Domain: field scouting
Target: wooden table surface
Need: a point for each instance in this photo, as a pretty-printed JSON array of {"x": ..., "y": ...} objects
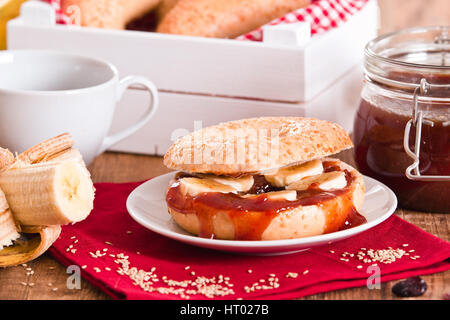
[{"x": 115, "y": 167}]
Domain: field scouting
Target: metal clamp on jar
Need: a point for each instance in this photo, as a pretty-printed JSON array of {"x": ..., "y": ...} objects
[{"x": 404, "y": 114}]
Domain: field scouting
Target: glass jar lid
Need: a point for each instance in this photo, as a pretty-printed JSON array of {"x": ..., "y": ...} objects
[{"x": 400, "y": 60}]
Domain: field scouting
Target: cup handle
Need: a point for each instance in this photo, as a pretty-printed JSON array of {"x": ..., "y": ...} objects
[{"x": 124, "y": 84}]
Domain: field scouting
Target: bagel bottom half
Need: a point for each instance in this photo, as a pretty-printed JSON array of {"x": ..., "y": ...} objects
[{"x": 299, "y": 221}]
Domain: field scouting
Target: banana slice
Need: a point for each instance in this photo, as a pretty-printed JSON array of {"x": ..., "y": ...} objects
[
  {"x": 326, "y": 181},
  {"x": 289, "y": 195},
  {"x": 48, "y": 193},
  {"x": 195, "y": 186},
  {"x": 287, "y": 175},
  {"x": 47, "y": 149},
  {"x": 241, "y": 184}
]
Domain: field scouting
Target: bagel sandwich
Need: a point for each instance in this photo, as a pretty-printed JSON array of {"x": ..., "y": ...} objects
[{"x": 267, "y": 178}]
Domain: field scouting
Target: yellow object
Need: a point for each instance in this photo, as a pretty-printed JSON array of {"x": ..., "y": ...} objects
[{"x": 9, "y": 9}]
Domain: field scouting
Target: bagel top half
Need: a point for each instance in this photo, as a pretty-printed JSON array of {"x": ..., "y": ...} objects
[{"x": 254, "y": 145}]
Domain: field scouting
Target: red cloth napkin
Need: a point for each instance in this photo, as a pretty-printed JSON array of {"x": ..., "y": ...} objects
[
  {"x": 323, "y": 15},
  {"x": 110, "y": 227}
]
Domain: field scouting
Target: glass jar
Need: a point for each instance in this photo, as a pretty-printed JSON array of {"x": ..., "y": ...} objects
[{"x": 402, "y": 127}]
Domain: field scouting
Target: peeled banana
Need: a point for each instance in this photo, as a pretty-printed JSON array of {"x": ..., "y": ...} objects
[
  {"x": 50, "y": 193},
  {"x": 44, "y": 187}
]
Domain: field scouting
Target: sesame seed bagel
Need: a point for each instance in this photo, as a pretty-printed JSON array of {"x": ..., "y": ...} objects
[
  {"x": 257, "y": 144},
  {"x": 108, "y": 14},
  {"x": 224, "y": 19},
  {"x": 329, "y": 214}
]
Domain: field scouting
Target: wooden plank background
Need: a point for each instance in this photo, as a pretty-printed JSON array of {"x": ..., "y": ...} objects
[{"x": 116, "y": 167}]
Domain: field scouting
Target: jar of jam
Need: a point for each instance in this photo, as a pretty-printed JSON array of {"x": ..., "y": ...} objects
[{"x": 402, "y": 127}]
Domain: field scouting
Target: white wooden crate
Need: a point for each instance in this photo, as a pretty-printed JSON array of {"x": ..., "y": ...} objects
[
  {"x": 208, "y": 66},
  {"x": 214, "y": 80},
  {"x": 182, "y": 113}
]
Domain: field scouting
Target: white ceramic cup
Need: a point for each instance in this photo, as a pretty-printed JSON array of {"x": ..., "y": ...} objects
[{"x": 45, "y": 93}]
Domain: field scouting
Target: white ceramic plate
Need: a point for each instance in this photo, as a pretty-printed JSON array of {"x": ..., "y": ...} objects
[{"x": 147, "y": 206}]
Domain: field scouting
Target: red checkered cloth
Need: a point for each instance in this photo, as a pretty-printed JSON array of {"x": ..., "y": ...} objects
[
  {"x": 61, "y": 18},
  {"x": 323, "y": 15}
]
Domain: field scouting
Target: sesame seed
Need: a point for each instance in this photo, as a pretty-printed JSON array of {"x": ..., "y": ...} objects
[
  {"x": 187, "y": 268},
  {"x": 249, "y": 270},
  {"x": 292, "y": 275},
  {"x": 359, "y": 267},
  {"x": 55, "y": 289},
  {"x": 305, "y": 272},
  {"x": 84, "y": 267}
]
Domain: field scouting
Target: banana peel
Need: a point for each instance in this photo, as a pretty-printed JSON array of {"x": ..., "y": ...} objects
[
  {"x": 23, "y": 240},
  {"x": 33, "y": 242}
]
